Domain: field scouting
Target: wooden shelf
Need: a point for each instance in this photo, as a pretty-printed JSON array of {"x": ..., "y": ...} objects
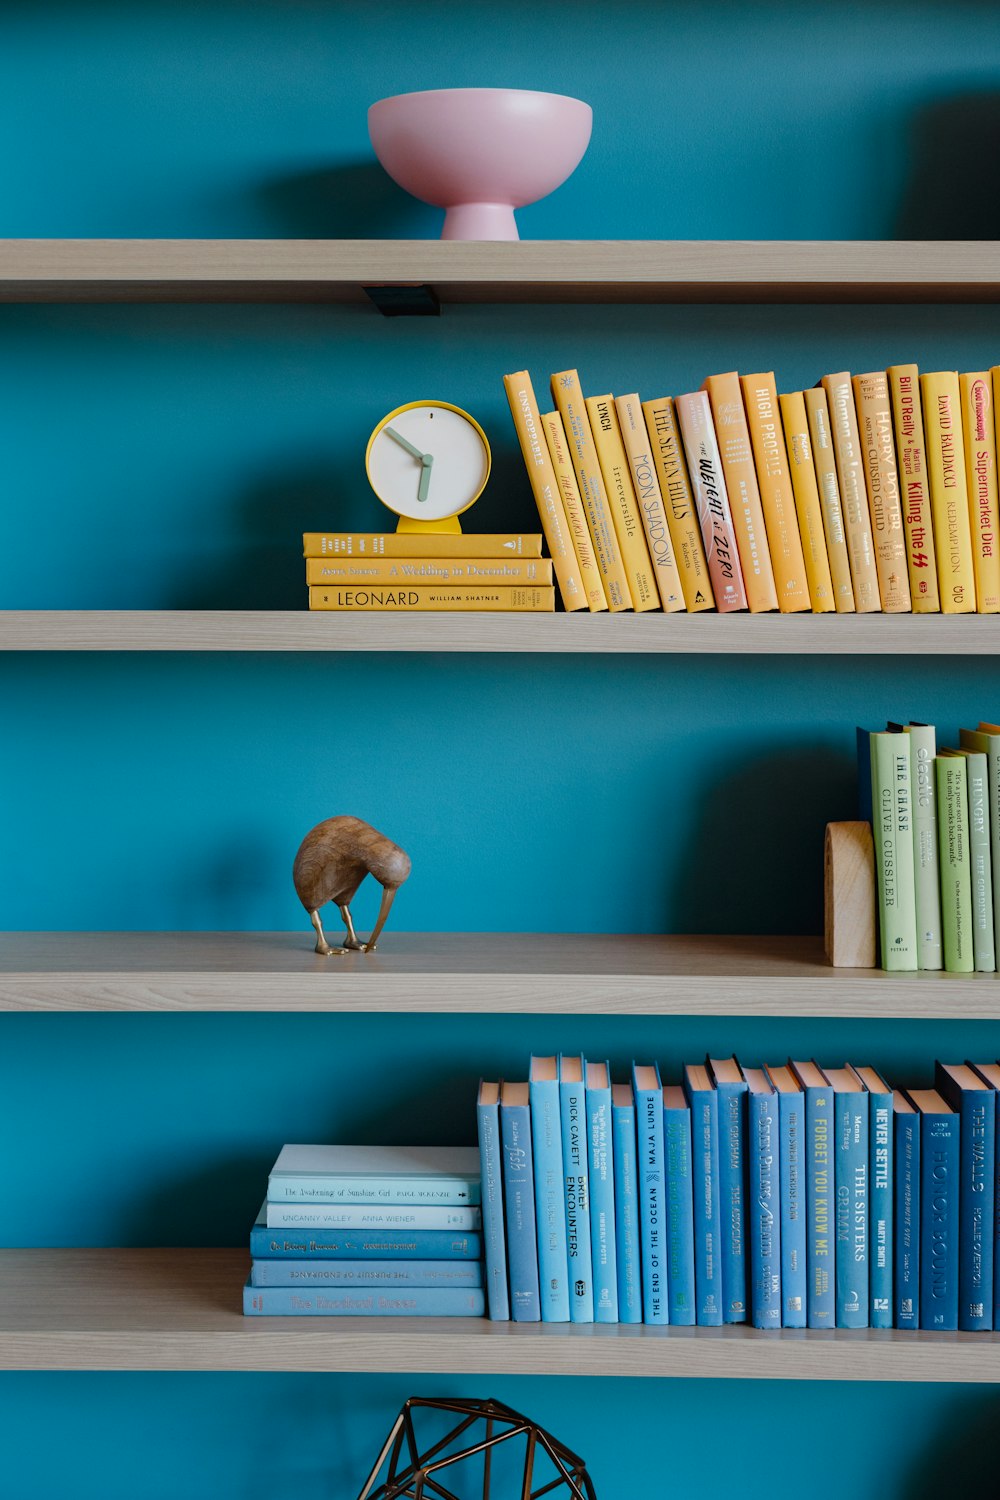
[
  {"x": 649, "y": 634},
  {"x": 181, "y": 1310},
  {"x": 526, "y": 271},
  {"x": 470, "y": 973}
]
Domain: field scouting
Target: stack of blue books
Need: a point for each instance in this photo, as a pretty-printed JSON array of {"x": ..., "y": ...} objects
[{"x": 369, "y": 1231}]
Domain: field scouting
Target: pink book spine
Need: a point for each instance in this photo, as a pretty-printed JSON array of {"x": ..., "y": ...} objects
[{"x": 714, "y": 515}]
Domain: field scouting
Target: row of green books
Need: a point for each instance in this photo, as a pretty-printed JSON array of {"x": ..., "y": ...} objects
[
  {"x": 872, "y": 492},
  {"x": 788, "y": 1196}
]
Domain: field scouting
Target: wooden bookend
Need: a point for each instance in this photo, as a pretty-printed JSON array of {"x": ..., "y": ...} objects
[{"x": 849, "y": 896}]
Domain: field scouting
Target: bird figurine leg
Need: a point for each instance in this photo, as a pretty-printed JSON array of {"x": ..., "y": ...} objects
[
  {"x": 388, "y": 896},
  {"x": 353, "y": 941},
  {"x": 322, "y": 946}
]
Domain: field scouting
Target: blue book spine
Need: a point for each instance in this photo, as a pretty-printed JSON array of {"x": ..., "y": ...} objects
[
  {"x": 821, "y": 1309},
  {"x": 628, "y": 1252},
  {"x": 764, "y": 1223},
  {"x": 358, "y": 1244},
  {"x": 732, "y": 1199},
  {"x": 491, "y": 1166},
  {"x": 652, "y": 1203},
  {"x": 283, "y": 1187},
  {"x": 996, "y": 1218},
  {"x": 707, "y": 1212},
  {"x": 851, "y": 1179},
  {"x": 519, "y": 1197},
  {"x": 880, "y": 1251},
  {"x": 907, "y": 1220},
  {"x": 604, "y": 1254},
  {"x": 367, "y": 1302},
  {"x": 977, "y": 1165},
  {"x": 573, "y": 1119},
  {"x": 680, "y": 1216},
  {"x": 939, "y": 1175},
  {"x": 550, "y": 1207},
  {"x": 378, "y": 1273},
  {"x": 791, "y": 1152}
]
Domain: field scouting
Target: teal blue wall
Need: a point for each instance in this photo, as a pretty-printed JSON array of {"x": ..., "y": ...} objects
[{"x": 170, "y": 456}]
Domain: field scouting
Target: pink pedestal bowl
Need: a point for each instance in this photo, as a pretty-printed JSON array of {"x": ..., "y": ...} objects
[{"x": 480, "y": 153}]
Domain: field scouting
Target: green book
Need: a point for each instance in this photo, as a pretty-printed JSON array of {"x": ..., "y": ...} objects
[
  {"x": 892, "y": 828},
  {"x": 953, "y": 848},
  {"x": 980, "y": 865},
  {"x": 926, "y": 873},
  {"x": 987, "y": 739}
]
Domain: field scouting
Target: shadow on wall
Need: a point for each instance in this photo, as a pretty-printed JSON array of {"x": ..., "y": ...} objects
[
  {"x": 357, "y": 200},
  {"x": 951, "y": 195},
  {"x": 963, "y": 1454}
]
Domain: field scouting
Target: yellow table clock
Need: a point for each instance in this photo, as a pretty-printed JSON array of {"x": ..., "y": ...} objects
[{"x": 428, "y": 462}]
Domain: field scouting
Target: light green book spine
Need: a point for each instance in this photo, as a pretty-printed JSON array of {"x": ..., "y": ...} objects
[
  {"x": 980, "y": 864},
  {"x": 989, "y": 743},
  {"x": 953, "y": 849},
  {"x": 892, "y": 826},
  {"x": 926, "y": 870}
]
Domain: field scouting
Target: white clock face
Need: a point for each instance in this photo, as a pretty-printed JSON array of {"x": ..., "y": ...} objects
[{"x": 427, "y": 462}]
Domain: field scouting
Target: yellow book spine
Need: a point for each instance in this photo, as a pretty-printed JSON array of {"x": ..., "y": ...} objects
[
  {"x": 807, "y": 506},
  {"x": 428, "y": 570},
  {"x": 624, "y": 506},
  {"x": 568, "y": 397},
  {"x": 825, "y": 464},
  {"x": 590, "y": 573},
  {"x": 853, "y": 495},
  {"x": 878, "y": 454},
  {"x": 682, "y": 517},
  {"x": 650, "y": 501},
  {"x": 413, "y": 544},
  {"x": 981, "y": 482},
  {"x": 406, "y": 600},
  {"x": 735, "y": 450},
  {"x": 760, "y": 396},
  {"x": 942, "y": 403},
  {"x": 527, "y": 423},
  {"x": 914, "y": 494}
]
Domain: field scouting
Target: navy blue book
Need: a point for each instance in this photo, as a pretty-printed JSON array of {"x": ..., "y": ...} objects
[
  {"x": 939, "y": 1169},
  {"x": 906, "y": 1229},
  {"x": 704, "y": 1103},
  {"x": 491, "y": 1170},
  {"x": 850, "y": 1176},
  {"x": 731, "y": 1088},
  {"x": 628, "y": 1242},
  {"x": 360, "y": 1244},
  {"x": 680, "y": 1206},
  {"x": 550, "y": 1207},
  {"x": 821, "y": 1309},
  {"x": 972, "y": 1099},
  {"x": 763, "y": 1198},
  {"x": 791, "y": 1150},
  {"x": 880, "y": 1195},
  {"x": 648, "y": 1093},
  {"x": 603, "y": 1249},
  {"x": 576, "y": 1195},
  {"x": 519, "y": 1200},
  {"x": 990, "y": 1073}
]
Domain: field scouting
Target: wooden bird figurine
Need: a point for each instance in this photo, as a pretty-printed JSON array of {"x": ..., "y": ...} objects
[{"x": 333, "y": 860}]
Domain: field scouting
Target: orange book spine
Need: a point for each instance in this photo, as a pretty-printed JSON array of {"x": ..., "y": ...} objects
[
  {"x": 427, "y": 570},
  {"x": 825, "y": 464},
  {"x": 914, "y": 494},
  {"x": 527, "y": 424},
  {"x": 650, "y": 502},
  {"x": 682, "y": 516},
  {"x": 760, "y": 395},
  {"x": 878, "y": 453},
  {"x": 853, "y": 495},
  {"x": 386, "y": 599},
  {"x": 708, "y": 483},
  {"x": 981, "y": 482},
  {"x": 590, "y": 573},
  {"x": 807, "y": 505},
  {"x": 568, "y": 397},
  {"x": 733, "y": 437},
  {"x": 624, "y": 506}
]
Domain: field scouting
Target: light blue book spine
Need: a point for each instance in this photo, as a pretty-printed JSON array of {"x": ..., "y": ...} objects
[
  {"x": 628, "y": 1249},
  {"x": 358, "y": 1244},
  {"x": 414, "y": 1302},
  {"x": 792, "y": 1145},
  {"x": 764, "y": 1224},
  {"x": 519, "y": 1198},
  {"x": 445, "y": 1190},
  {"x": 573, "y": 1118},
  {"x": 491, "y": 1166},
  {"x": 851, "y": 1178},
  {"x": 821, "y": 1310},
  {"x": 881, "y": 1183},
  {"x": 652, "y": 1201},
  {"x": 680, "y": 1216},
  {"x": 707, "y": 1212},
  {"x": 906, "y": 1294},
  {"x": 604, "y": 1256},
  {"x": 939, "y": 1171},
  {"x": 550, "y": 1208},
  {"x": 374, "y": 1273},
  {"x": 732, "y": 1198}
]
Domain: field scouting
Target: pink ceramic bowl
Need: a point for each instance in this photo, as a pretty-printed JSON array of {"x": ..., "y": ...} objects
[{"x": 479, "y": 153}]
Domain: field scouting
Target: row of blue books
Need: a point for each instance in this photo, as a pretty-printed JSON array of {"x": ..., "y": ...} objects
[
  {"x": 369, "y": 1231},
  {"x": 788, "y": 1196}
]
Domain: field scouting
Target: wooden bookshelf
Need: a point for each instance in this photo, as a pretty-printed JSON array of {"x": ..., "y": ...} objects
[
  {"x": 648, "y": 634},
  {"x": 181, "y": 1310},
  {"x": 471, "y": 973},
  {"x": 176, "y": 270}
]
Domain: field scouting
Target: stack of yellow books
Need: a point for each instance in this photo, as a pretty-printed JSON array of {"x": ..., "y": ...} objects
[{"x": 406, "y": 572}]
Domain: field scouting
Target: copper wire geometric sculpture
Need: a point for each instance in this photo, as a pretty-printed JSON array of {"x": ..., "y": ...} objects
[{"x": 416, "y": 1475}]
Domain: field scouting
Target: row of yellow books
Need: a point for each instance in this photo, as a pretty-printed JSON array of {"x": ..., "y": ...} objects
[
  {"x": 397, "y": 572},
  {"x": 866, "y": 493}
]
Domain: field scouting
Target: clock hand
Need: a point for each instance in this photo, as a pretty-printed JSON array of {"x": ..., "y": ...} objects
[
  {"x": 403, "y": 442},
  {"x": 425, "y": 477}
]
